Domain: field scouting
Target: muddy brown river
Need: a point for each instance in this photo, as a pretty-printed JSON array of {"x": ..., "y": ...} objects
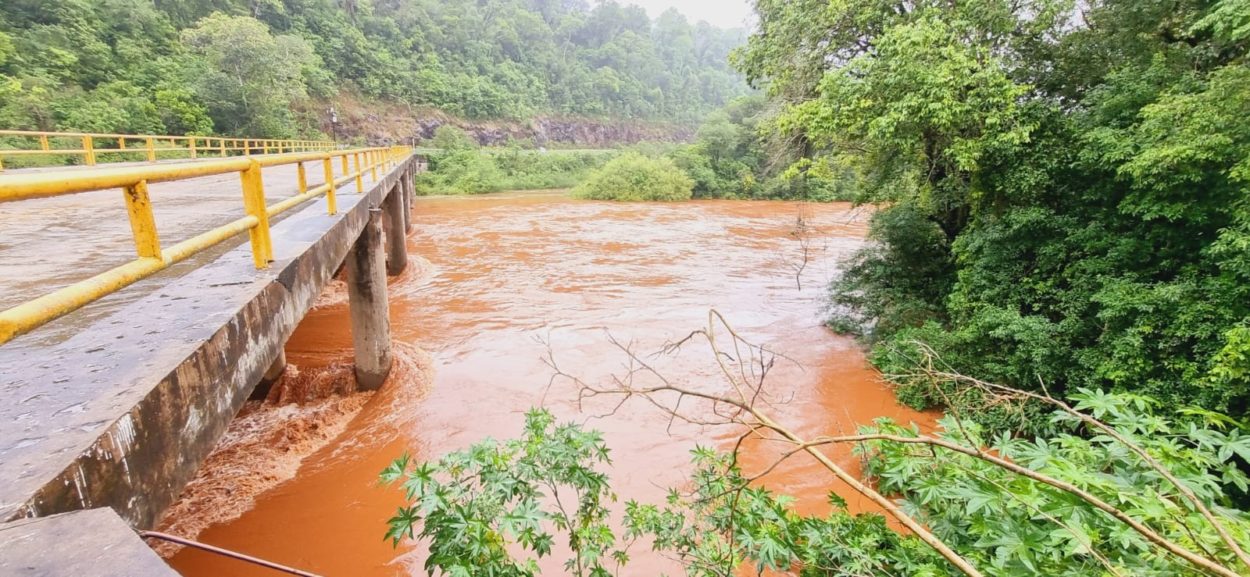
[{"x": 502, "y": 278}]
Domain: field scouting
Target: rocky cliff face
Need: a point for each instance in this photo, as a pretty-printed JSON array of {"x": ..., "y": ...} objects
[
  {"x": 379, "y": 124},
  {"x": 561, "y": 131}
]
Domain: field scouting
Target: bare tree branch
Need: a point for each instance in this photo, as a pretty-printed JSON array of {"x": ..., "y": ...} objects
[
  {"x": 926, "y": 369},
  {"x": 741, "y": 408}
]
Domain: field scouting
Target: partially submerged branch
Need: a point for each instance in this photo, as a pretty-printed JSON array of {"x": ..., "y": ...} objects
[
  {"x": 927, "y": 370},
  {"x": 745, "y": 366},
  {"x": 741, "y": 410}
]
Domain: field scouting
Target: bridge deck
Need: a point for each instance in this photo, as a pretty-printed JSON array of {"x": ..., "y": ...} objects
[
  {"x": 49, "y": 243},
  {"x": 120, "y": 404}
]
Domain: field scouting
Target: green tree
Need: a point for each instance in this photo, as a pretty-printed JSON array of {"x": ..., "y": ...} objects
[
  {"x": 1060, "y": 190},
  {"x": 451, "y": 138},
  {"x": 634, "y": 177},
  {"x": 499, "y": 59},
  {"x": 252, "y": 78}
]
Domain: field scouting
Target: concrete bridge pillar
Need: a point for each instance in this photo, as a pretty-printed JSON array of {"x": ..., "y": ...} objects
[
  {"x": 275, "y": 372},
  {"x": 410, "y": 193},
  {"x": 367, "y": 301},
  {"x": 396, "y": 231}
]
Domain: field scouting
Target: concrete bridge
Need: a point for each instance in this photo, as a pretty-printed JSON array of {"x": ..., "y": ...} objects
[{"x": 106, "y": 412}]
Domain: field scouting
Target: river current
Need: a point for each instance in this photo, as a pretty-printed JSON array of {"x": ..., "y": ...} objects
[{"x": 497, "y": 283}]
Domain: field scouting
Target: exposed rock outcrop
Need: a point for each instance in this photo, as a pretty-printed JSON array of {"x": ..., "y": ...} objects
[{"x": 379, "y": 123}]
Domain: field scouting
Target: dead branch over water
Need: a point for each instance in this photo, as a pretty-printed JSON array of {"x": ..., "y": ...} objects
[
  {"x": 744, "y": 367},
  {"x": 803, "y": 234}
]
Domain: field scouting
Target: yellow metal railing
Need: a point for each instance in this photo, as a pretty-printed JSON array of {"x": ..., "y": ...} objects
[
  {"x": 95, "y": 148},
  {"x": 151, "y": 257}
]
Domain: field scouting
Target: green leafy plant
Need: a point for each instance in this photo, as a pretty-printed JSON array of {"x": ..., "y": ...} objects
[
  {"x": 634, "y": 177},
  {"x": 468, "y": 170},
  {"x": 471, "y": 506},
  {"x": 1109, "y": 488},
  {"x": 724, "y": 523},
  {"x": 1010, "y": 524}
]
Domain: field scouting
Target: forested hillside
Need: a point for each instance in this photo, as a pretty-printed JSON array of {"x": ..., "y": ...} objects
[{"x": 265, "y": 67}]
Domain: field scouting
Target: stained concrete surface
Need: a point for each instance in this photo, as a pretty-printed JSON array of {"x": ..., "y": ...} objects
[
  {"x": 94, "y": 543},
  {"x": 121, "y": 412}
]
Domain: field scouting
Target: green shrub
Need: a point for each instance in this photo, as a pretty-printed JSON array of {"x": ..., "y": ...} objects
[
  {"x": 460, "y": 172},
  {"x": 449, "y": 138},
  {"x": 1009, "y": 506},
  {"x": 634, "y": 177},
  {"x": 468, "y": 171},
  {"x": 535, "y": 170}
]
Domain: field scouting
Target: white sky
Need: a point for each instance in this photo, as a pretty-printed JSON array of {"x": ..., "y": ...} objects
[{"x": 720, "y": 13}]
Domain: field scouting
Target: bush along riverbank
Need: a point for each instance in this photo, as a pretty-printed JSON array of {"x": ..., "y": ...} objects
[
  {"x": 635, "y": 177},
  {"x": 462, "y": 167}
]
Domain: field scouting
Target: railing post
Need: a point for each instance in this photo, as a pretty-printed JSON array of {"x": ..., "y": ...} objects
[
  {"x": 222, "y": 144},
  {"x": 373, "y": 164},
  {"x": 192, "y": 147},
  {"x": 88, "y": 149},
  {"x": 360, "y": 184},
  {"x": 43, "y": 142},
  {"x": 331, "y": 203},
  {"x": 302, "y": 177},
  {"x": 142, "y": 222},
  {"x": 254, "y": 204},
  {"x": 151, "y": 144}
]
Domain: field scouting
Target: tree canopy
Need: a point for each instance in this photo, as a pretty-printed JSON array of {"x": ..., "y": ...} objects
[{"x": 1062, "y": 184}]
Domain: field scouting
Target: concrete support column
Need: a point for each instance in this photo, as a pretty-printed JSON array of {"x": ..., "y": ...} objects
[
  {"x": 396, "y": 233},
  {"x": 275, "y": 372},
  {"x": 410, "y": 193},
  {"x": 370, "y": 311}
]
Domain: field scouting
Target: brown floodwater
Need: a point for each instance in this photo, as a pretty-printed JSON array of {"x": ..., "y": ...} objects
[{"x": 497, "y": 282}]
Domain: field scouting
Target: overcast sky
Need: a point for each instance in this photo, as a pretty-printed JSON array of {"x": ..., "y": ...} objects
[{"x": 721, "y": 13}]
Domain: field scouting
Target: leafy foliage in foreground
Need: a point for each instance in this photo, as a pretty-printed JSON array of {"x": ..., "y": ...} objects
[
  {"x": 1013, "y": 526},
  {"x": 471, "y": 506},
  {"x": 724, "y": 523},
  {"x": 635, "y": 177}
]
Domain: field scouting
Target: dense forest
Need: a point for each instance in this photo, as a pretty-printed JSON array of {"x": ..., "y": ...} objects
[
  {"x": 265, "y": 68},
  {"x": 1064, "y": 191}
]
